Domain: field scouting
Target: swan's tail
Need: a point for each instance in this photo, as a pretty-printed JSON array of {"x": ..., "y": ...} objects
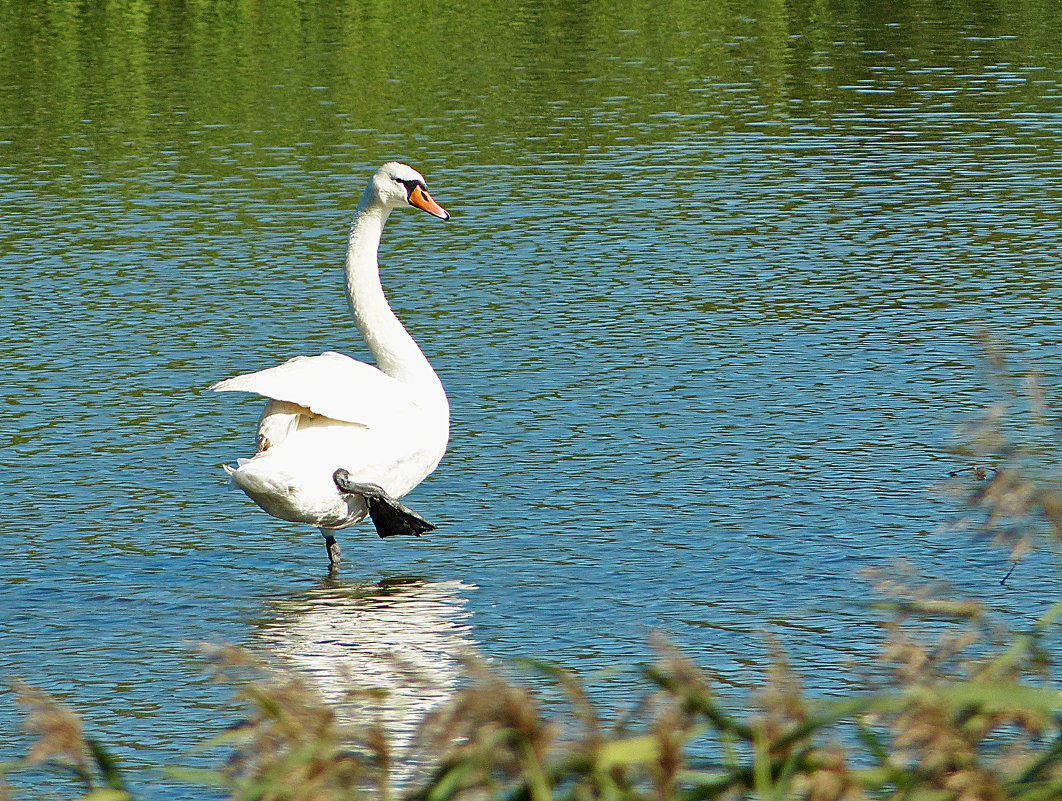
[{"x": 231, "y": 471}]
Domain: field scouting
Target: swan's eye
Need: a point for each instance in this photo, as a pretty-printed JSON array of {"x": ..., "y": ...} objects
[{"x": 410, "y": 185}]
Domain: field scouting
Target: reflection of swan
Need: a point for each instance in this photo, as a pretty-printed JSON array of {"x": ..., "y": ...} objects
[
  {"x": 405, "y": 636},
  {"x": 340, "y": 439}
]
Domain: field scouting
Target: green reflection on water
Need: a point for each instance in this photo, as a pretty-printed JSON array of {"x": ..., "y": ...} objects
[{"x": 94, "y": 86}]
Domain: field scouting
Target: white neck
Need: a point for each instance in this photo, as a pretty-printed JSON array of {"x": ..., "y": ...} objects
[{"x": 393, "y": 348}]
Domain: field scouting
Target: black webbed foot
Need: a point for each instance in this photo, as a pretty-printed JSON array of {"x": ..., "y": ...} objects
[{"x": 390, "y": 517}]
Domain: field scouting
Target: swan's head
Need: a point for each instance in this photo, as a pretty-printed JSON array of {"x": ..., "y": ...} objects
[{"x": 395, "y": 185}]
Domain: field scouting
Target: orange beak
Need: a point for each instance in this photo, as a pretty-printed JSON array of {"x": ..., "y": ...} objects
[{"x": 422, "y": 200}]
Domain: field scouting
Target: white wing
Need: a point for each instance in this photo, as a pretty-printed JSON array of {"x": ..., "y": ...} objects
[{"x": 331, "y": 385}]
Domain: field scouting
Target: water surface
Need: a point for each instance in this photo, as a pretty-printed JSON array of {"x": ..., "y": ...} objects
[{"x": 707, "y": 311}]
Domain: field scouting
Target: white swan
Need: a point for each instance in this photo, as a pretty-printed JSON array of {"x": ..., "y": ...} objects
[{"x": 340, "y": 439}]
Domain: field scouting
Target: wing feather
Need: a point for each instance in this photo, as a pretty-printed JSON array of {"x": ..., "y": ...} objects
[{"x": 331, "y": 385}]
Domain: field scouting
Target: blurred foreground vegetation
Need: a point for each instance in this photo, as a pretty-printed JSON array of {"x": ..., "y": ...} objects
[{"x": 958, "y": 706}]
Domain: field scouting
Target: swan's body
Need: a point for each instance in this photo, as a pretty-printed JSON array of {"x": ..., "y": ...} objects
[{"x": 386, "y": 426}]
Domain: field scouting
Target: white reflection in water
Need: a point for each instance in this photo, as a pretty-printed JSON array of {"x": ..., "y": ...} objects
[{"x": 405, "y": 636}]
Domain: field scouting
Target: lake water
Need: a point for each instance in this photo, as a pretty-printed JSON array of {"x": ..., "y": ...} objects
[{"x": 707, "y": 312}]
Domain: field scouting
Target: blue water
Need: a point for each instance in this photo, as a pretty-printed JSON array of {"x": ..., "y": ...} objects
[{"x": 705, "y": 338}]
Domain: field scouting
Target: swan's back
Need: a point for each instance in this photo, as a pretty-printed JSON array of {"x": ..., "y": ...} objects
[{"x": 335, "y": 386}]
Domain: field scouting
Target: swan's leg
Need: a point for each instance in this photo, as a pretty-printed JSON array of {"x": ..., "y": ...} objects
[
  {"x": 331, "y": 546},
  {"x": 388, "y": 515}
]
